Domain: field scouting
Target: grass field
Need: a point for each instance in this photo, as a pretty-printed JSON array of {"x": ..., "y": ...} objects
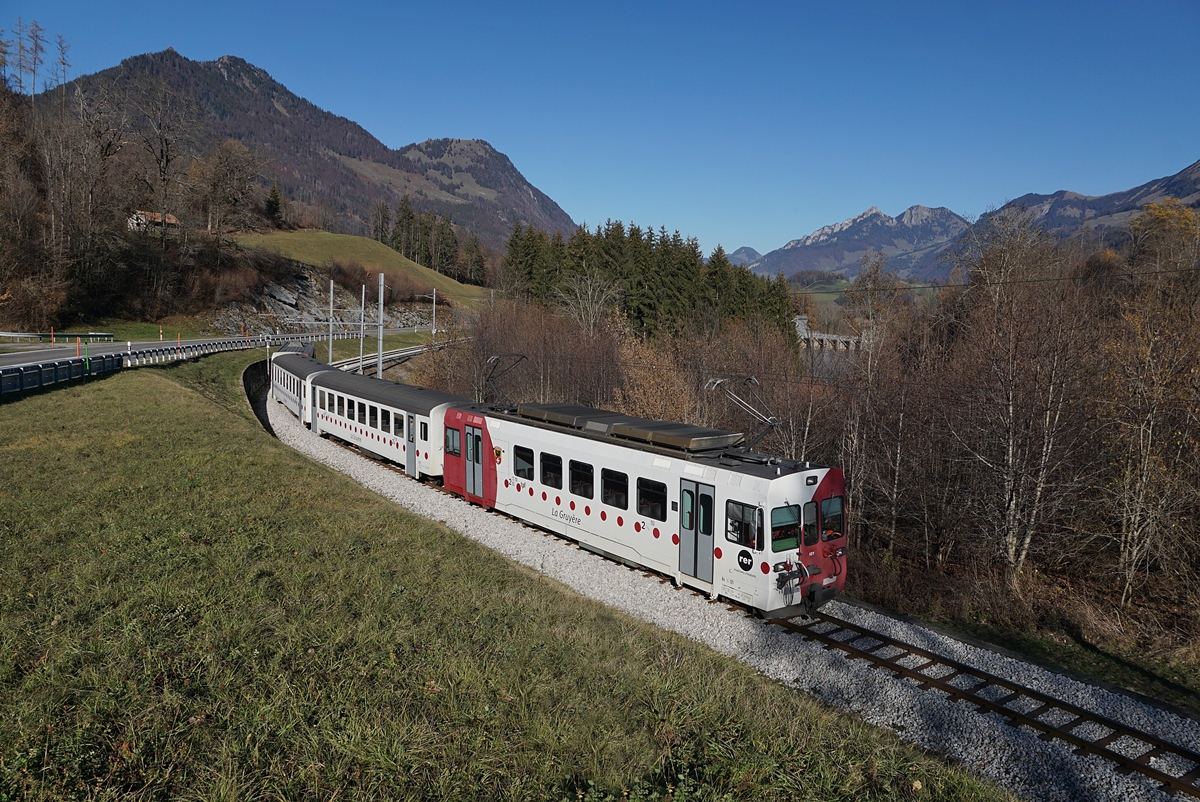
[
  {"x": 189, "y": 609},
  {"x": 321, "y": 248}
]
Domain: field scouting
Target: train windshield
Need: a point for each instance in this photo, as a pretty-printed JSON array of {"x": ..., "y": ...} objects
[
  {"x": 833, "y": 518},
  {"x": 785, "y": 527}
]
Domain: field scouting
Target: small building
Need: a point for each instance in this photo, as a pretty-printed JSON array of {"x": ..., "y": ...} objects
[{"x": 141, "y": 221}]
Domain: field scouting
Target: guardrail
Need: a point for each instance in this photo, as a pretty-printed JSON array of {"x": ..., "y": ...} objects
[
  {"x": 31, "y": 376},
  {"x": 393, "y": 356},
  {"x": 65, "y": 336}
]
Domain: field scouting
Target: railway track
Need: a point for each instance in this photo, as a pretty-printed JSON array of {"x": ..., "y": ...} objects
[{"x": 1175, "y": 768}]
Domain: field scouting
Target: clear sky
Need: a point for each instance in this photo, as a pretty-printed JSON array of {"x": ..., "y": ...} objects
[{"x": 736, "y": 123}]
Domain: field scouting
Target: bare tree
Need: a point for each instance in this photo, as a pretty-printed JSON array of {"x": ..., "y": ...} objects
[{"x": 588, "y": 297}]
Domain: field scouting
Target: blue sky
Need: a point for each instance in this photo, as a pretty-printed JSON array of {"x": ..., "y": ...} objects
[{"x": 736, "y": 125}]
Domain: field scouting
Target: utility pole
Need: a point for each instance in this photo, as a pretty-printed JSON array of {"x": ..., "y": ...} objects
[
  {"x": 434, "y": 312},
  {"x": 331, "y": 321},
  {"x": 362, "y": 326},
  {"x": 379, "y": 359}
]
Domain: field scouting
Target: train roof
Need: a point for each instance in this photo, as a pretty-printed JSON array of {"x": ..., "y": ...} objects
[
  {"x": 300, "y": 365},
  {"x": 682, "y": 436},
  {"x": 307, "y": 349},
  {"x": 714, "y": 447},
  {"x": 401, "y": 396}
]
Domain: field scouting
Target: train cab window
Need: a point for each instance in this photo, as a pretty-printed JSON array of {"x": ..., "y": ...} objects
[
  {"x": 523, "y": 462},
  {"x": 743, "y": 523},
  {"x": 833, "y": 518},
  {"x": 341, "y": 407},
  {"x": 453, "y": 442},
  {"x": 385, "y": 421},
  {"x": 810, "y": 523},
  {"x": 552, "y": 471},
  {"x": 614, "y": 488},
  {"x": 652, "y": 499},
  {"x": 785, "y": 528},
  {"x": 374, "y": 419},
  {"x": 424, "y": 432},
  {"x": 582, "y": 478}
]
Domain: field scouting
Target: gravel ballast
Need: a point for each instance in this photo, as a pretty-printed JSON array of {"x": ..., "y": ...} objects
[{"x": 1013, "y": 757}]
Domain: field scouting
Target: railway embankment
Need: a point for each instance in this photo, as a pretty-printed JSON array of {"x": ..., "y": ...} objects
[{"x": 190, "y": 608}]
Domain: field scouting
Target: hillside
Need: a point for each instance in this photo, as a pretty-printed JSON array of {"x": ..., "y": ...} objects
[
  {"x": 914, "y": 242},
  {"x": 1068, "y": 212},
  {"x": 320, "y": 248},
  {"x": 327, "y": 160}
]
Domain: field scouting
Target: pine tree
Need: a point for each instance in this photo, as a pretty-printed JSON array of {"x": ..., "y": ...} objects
[{"x": 274, "y": 206}]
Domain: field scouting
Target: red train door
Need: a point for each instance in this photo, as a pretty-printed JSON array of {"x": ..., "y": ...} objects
[{"x": 473, "y": 465}]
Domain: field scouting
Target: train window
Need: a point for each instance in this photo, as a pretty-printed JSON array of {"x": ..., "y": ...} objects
[
  {"x": 741, "y": 523},
  {"x": 688, "y": 512},
  {"x": 652, "y": 499},
  {"x": 614, "y": 488},
  {"x": 453, "y": 442},
  {"x": 704, "y": 516},
  {"x": 374, "y": 424},
  {"x": 362, "y": 413},
  {"x": 785, "y": 528},
  {"x": 385, "y": 421},
  {"x": 321, "y": 399},
  {"x": 399, "y": 424},
  {"x": 523, "y": 462},
  {"x": 810, "y": 523},
  {"x": 424, "y": 432},
  {"x": 341, "y": 407},
  {"x": 833, "y": 519},
  {"x": 582, "y": 476},
  {"x": 552, "y": 471}
]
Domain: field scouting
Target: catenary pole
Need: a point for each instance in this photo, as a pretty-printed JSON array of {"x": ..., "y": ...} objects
[
  {"x": 331, "y": 321},
  {"x": 379, "y": 358},
  {"x": 362, "y": 326}
]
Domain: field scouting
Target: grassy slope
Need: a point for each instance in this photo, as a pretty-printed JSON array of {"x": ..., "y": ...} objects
[
  {"x": 321, "y": 248},
  {"x": 191, "y": 609}
]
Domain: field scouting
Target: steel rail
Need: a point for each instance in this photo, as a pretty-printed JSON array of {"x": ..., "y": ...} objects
[{"x": 978, "y": 681}]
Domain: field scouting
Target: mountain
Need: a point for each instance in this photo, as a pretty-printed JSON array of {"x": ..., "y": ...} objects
[
  {"x": 1067, "y": 212},
  {"x": 327, "y": 160},
  {"x": 744, "y": 256},
  {"x": 913, "y": 242}
]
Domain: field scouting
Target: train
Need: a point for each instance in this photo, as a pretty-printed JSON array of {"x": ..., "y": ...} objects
[{"x": 688, "y": 502}]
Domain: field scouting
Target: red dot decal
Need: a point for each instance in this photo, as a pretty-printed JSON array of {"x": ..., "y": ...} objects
[
  {"x": 587, "y": 510},
  {"x": 656, "y": 531},
  {"x": 717, "y": 552},
  {"x": 766, "y": 569},
  {"x": 531, "y": 491},
  {"x": 637, "y": 527},
  {"x": 558, "y": 501},
  {"x": 572, "y": 505},
  {"x": 543, "y": 495},
  {"x": 603, "y": 515},
  {"x": 506, "y": 483},
  {"x": 675, "y": 539},
  {"x": 620, "y": 521},
  {"x": 518, "y": 487},
  {"x": 426, "y": 455}
]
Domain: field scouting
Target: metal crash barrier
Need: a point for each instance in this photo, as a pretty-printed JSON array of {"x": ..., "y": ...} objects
[{"x": 17, "y": 379}]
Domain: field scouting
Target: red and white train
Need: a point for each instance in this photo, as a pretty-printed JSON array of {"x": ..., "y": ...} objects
[{"x": 677, "y": 499}]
